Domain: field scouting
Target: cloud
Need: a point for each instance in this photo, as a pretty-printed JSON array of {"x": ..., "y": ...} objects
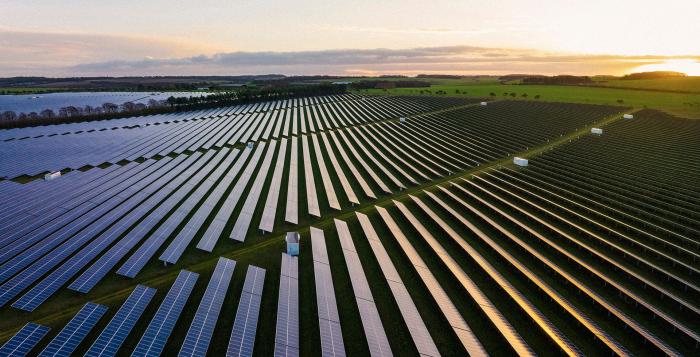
[
  {"x": 27, "y": 53},
  {"x": 453, "y": 59},
  {"x": 30, "y": 52}
]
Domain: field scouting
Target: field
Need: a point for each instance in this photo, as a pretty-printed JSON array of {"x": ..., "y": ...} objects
[
  {"x": 677, "y": 84},
  {"x": 681, "y": 104},
  {"x": 418, "y": 234}
]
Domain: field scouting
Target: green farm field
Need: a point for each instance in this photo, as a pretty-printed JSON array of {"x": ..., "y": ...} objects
[
  {"x": 676, "y": 84},
  {"x": 681, "y": 104}
]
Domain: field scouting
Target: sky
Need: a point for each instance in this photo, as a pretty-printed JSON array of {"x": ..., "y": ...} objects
[{"x": 232, "y": 37}]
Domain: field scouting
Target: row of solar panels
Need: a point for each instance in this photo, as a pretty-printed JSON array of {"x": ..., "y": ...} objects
[
  {"x": 31, "y": 157},
  {"x": 156, "y": 335},
  {"x": 141, "y": 121}
]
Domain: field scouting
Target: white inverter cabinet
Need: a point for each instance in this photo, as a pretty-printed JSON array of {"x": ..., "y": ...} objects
[
  {"x": 52, "y": 175},
  {"x": 520, "y": 161},
  {"x": 597, "y": 131}
]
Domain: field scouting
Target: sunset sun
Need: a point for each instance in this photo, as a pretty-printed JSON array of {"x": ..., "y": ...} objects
[{"x": 688, "y": 66}]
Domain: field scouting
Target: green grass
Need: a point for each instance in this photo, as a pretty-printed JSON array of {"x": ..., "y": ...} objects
[
  {"x": 678, "y": 84},
  {"x": 681, "y": 104},
  {"x": 20, "y": 90}
]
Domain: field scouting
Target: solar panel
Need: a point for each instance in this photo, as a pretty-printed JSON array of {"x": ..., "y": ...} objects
[
  {"x": 449, "y": 310},
  {"x": 311, "y": 197},
  {"x": 416, "y": 327},
  {"x": 245, "y": 326},
  {"x": 75, "y": 331},
  {"x": 24, "y": 340},
  {"x": 287, "y": 334},
  {"x": 498, "y": 319},
  {"x": 347, "y": 187},
  {"x": 325, "y": 176},
  {"x": 328, "y": 318},
  {"x": 362, "y": 161},
  {"x": 292, "y": 207},
  {"x": 158, "y": 331},
  {"x": 139, "y": 258},
  {"x": 118, "y": 329},
  {"x": 371, "y": 323},
  {"x": 211, "y": 235},
  {"x": 49, "y": 285},
  {"x": 202, "y": 328},
  {"x": 267, "y": 221},
  {"x": 240, "y": 228}
]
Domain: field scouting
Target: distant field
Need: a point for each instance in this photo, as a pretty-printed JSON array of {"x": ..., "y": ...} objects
[
  {"x": 683, "y": 84},
  {"x": 682, "y": 104},
  {"x": 12, "y": 90}
]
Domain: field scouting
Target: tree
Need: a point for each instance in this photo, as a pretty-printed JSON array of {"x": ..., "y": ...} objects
[
  {"x": 128, "y": 107},
  {"x": 110, "y": 107},
  {"x": 88, "y": 110},
  {"x": 537, "y": 96},
  {"x": 620, "y": 101},
  {"x": 47, "y": 114},
  {"x": 9, "y": 115},
  {"x": 524, "y": 95},
  {"x": 152, "y": 103},
  {"x": 69, "y": 111},
  {"x": 513, "y": 94},
  {"x": 492, "y": 94}
]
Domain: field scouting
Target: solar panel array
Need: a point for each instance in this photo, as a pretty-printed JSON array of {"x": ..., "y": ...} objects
[
  {"x": 74, "y": 230},
  {"x": 55, "y": 147},
  {"x": 202, "y": 328},
  {"x": 416, "y": 327},
  {"x": 24, "y": 340},
  {"x": 287, "y": 333},
  {"x": 465, "y": 334},
  {"x": 245, "y": 325},
  {"x": 371, "y": 322},
  {"x": 158, "y": 331},
  {"x": 75, "y": 331},
  {"x": 328, "y": 317},
  {"x": 119, "y": 328},
  {"x": 504, "y": 326}
]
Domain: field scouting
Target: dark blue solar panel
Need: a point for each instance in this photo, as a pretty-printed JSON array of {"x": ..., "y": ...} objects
[
  {"x": 47, "y": 287},
  {"x": 202, "y": 327},
  {"x": 75, "y": 331},
  {"x": 24, "y": 340},
  {"x": 112, "y": 337},
  {"x": 158, "y": 331},
  {"x": 245, "y": 326},
  {"x": 287, "y": 335}
]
